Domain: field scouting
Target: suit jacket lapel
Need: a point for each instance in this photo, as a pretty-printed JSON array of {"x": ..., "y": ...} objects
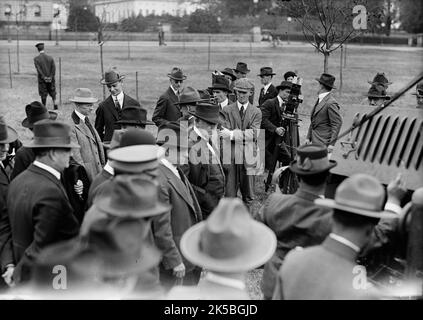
[
  {"x": 321, "y": 104},
  {"x": 278, "y": 108},
  {"x": 178, "y": 185},
  {"x": 49, "y": 176},
  {"x": 112, "y": 108},
  {"x": 4, "y": 178},
  {"x": 236, "y": 115},
  {"x": 82, "y": 127},
  {"x": 247, "y": 116}
]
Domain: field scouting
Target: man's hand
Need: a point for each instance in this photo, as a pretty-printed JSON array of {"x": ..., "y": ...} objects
[
  {"x": 179, "y": 271},
  {"x": 79, "y": 188},
  {"x": 8, "y": 276},
  {"x": 280, "y": 131},
  {"x": 225, "y": 133},
  {"x": 396, "y": 190},
  {"x": 47, "y": 79}
]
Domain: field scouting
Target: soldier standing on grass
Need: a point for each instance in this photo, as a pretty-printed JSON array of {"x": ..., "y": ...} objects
[{"x": 46, "y": 70}]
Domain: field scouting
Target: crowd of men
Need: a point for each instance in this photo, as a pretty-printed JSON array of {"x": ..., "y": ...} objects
[{"x": 147, "y": 217}]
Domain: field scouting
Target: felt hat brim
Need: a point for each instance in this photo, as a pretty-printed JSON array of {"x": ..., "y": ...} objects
[
  {"x": 326, "y": 84},
  {"x": 34, "y": 145},
  {"x": 192, "y": 102},
  {"x": 26, "y": 124},
  {"x": 184, "y": 77},
  {"x": 213, "y": 120},
  {"x": 220, "y": 87},
  {"x": 83, "y": 100},
  {"x": 378, "y": 97},
  {"x": 262, "y": 248},
  {"x": 12, "y": 135},
  {"x": 294, "y": 168},
  {"x": 330, "y": 203},
  {"x": 102, "y": 81},
  {"x": 266, "y": 74}
]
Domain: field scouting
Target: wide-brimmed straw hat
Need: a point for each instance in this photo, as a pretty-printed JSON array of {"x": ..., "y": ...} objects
[{"x": 230, "y": 240}]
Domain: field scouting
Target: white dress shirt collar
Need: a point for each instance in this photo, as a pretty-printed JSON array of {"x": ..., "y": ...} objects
[
  {"x": 344, "y": 241},
  {"x": 47, "y": 168},
  {"x": 224, "y": 281},
  {"x": 171, "y": 167},
  {"x": 80, "y": 115},
  {"x": 109, "y": 168},
  {"x": 119, "y": 98},
  {"x": 224, "y": 103},
  {"x": 322, "y": 95},
  {"x": 240, "y": 105},
  {"x": 266, "y": 87},
  {"x": 280, "y": 100},
  {"x": 174, "y": 90}
]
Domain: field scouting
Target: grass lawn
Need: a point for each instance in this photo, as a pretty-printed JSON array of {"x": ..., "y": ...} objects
[{"x": 81, "y": 68}]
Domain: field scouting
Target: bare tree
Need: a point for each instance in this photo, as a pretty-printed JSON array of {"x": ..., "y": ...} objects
[
  {"x": 326, "y": 24},
  {"x": 102, "y": 26}
]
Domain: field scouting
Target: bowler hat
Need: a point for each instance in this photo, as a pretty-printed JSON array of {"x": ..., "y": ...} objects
[
  {"x": 359, "y": 194},
  {"x": 173, "y": 134},
  {"x": 189, "y": 95},
  {"x": 133, "y": 137},
  {"x": 327, "y": 79},
  {"x": 243, "y": 85},
  {"x": 220, "y": 83},
  {"x": 419, "y": 89},
  {"x": 131, "y": 197},
  {"x": 229, "y": 240},
  {"x": 266, "y": 71},
  {"x": 36, "y": 111},
  {"x": 229, "y": 72},
  {"x": 311, "y": 159},
  {"x": 51, "y": 134},
  {"x": 177, "y": 74},
  {"x": 111, "y": 76},
  {"x": 380, "y": 78},
  {"x": 7, "y": 133},
  {"x": 135, "y": 158},
  {"x": 83, "y": 95},
  {"x": 289, "y": 74},
  {"x": 378, "y": 91},
  {"x": 241, "y": 67},
  {"x": 284, "y": 85},
  {"x": 133, "y": 115},
  {"x": 208, "y": 112}
]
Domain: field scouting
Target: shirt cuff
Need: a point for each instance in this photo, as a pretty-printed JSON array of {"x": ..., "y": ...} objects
[
  {"x": 232, "y": 135},
  {"x": 389, "y": 206}
]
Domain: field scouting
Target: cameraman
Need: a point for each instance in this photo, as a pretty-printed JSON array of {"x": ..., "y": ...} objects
[{"x": 272, "y": 111}]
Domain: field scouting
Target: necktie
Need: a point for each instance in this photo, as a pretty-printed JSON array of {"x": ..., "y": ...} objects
[
  {"x": 90, "y": 126},
  {"x": 117, "y": 104},
  {"x": 241, "y": 112}
]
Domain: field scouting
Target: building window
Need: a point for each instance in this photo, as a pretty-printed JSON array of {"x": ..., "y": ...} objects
[
  {"x": 37, "y": 11},
  {"x": 7, "y": 10}
]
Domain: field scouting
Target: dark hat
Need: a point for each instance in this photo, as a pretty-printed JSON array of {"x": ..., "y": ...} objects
[
  {"x": 135, "y": 158},
  {"x": 230, "y": 240},
  {"x": 359, "y": 194},
  {"x": 208, "y": 112},
  {"x": 289, "y": 74},
  {"x": 241, "y": 67},
  {"x": 131, "y": 197},
  {"x": 327, "y": 79},
  {"x": 36, "y": 111},
  {"x": 229, "y": 72},
  {"x": 220, "y": 83},
  {"x": 51, "y": 134},
  {"x": 40, "y": 45},
  {"x": 111, "y": 76},
  {"x": 419, "y": 89},
  {"x": 83, "y": 95},
  {"x": 115, "y": 142},
  {"x": 134, "y": 137},
  {"x": 173, "y": 134},
  {"x": 311, "y": 159},
  {"x": 284, "y": 85},
  {"x": 189, "y": 95},
  {"x": 380, "y": 78},
  {"x": 378, "y": 91},
  {"x": 133, "y": 115},
  {"x": 266, "y": 71},
  {"x": 177, "y": 74},
  {"x": 7, "y": 133}
]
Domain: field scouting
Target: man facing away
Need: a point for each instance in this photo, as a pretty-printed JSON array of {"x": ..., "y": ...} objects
[{"x": 46, "y": 70}]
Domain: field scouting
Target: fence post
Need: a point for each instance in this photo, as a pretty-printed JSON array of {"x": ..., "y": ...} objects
[
  {"x": 17, "y": 46},
  {"x": 340, "y": 69},
  {"x": 10, "y": 69},
  {"x": 129, "y": 48},
  {"x": 102, "y": 69},
  {"x": 60, "y": 82},
  {"x": 136, "y": 84},
  {"x": 345, "y": 56},
  {"x": 208, "y": 59}
]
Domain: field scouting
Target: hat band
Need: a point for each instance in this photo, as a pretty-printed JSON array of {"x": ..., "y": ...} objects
[
  {"x": 135, "y": 167},
  {"x": 308, "y": 164},
  {"x": 362, "y": 205},
  {"x": 52, "y": 140}
]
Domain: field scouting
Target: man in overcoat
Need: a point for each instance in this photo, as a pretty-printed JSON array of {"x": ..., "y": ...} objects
[{"x": 46, "y": 70}]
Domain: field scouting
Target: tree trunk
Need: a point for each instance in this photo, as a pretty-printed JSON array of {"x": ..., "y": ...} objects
[{"x": 326, "y": 62}]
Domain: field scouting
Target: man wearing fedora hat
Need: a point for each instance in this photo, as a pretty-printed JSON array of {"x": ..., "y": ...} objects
[
  {"x": 228, "y": 244},
  {"x": 7, "y": 263},
  {"x": 91, "y": 151},
  {"x": 187, "y": 103},
  {"x": 377, "y": 95},
  {"x": 272, "y": 111},
  {"x": 204, "y": 170},
  {"x": 177, "y": 191},
  {"x": 294, "y": 218},
  {"x": 39, "y": 209},
  {"x": 110, "y": 110},
  {"x": 328, "y": 271},
  {"x": 133, "y": 117},
  {"x": 242, "y": 124},
  {"x": 46, "y": 70},
  {"x": 380, "y": 79},
  {"x": 326, "y": 119},
  {"x": 419, "y": 94},
  {"x": 241, "y": 71},
  {"x": 166, "y": 110},
  {"x": 221, "y": 90},
  {"x": 268, "y": 91}
]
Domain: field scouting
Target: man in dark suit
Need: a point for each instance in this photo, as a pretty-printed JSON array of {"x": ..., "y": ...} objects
[
  {"x": 109, "y": 111},
  {"x": 7, "y": 262},
  {"x": 176, "y": 190},
  {"x": 39, "y": 210},
  {"x": 329, "y": 271},
  {"x": 46, "y": 70},
  {"x": 240, "y": 132},
  {"x": 166, "y": 110},
  {"x": 220, "y": 89},
  {"x": 268, "y": 91},
  {"x": 271, "y": 121},
  {"x": 294, "y": 218},
  {"x": 326, "y": 119}
]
